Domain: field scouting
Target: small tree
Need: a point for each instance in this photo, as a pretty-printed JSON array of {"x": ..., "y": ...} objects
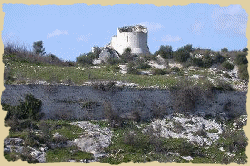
[
  {"x": 97, "y": 50},
  {"x": 38, "y": 48},
  {"x": 245, "y": 50},
  {"x": 181, "y": 55},
  {"x": 224, "y": 50},
  {"x": 165, "y": 52},
  {"x": 188, "y": 48},
  {"x": 241, "y": 59},
  {"x": 86, "y": 59},
  {"x": 218, "y": 58}
]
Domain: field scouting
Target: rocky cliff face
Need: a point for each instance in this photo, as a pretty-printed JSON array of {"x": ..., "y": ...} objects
[{"x": 88, "y": 102}]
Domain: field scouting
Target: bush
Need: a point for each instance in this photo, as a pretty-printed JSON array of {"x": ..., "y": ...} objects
[
  {"x": 227, "y": 65},
  {"x": 112, "y": 116},
  {"x": 8, "y": 75},
  {"x": 185, "y": 98},
  {"x": 131, "y": 68},
  {"x": 113, "y": 61},
  {"x": 197, "y": 62},
  {"x": 245, "y": 50},
  {"x": 218, "y": 58},
  {"x": 85, "y": 59},
  {"x": 157, "y": 71},
  {"x": 207, "y": 61},
  {"x": 224, "y": 50},
  {"x": 127, "y": 56},
  {"x": 28, "y": 109},
  {"x": 236, "y": 141},
  {"x": 165, "y": 52},
  {"x": 142, "y": 64},
  {"x": 14, "y": 52},
  {"x": 181, "y": 55},
  {"x": 241, "y": 59},
  {"x": 188, "y": 48},
  {"x": 243, "y": 73}
]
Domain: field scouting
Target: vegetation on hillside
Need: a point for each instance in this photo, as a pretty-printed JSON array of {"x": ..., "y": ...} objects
[
  {"x": 23, "y": 66},
  {"x": 133, "y": 139}
]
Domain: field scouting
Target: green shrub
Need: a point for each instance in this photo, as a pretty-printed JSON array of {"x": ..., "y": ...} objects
[
  {"x": 234, "y": 141},
  {"x": 188, "y": 48},
  {"x": 28, "y": 109},
  {"x": 8, "y": 75},
  {"x": 218, "y": 58},
  {"x": 207, "y": 61},
  {"x": 241, "y": 59},
  {"x": 113, "y": 61},
  {"x": 17, "y": 53},
  {"x": 224, "y": 50},
  {"x": 245, "y": 50},
  {"x": 127, "y": 56},
  {"x": 131, "y": 68},
  {"x": 197, "y": 62},
  {"x": 181, "y": 55},
  {"x": 142, "y": 64},
  {"x": 165, "y": 52},
  {"x": 243, "y": 73},
  {"x": 227, "y": 65},
  {"x": 157, "y": 71},
  {"x": 86, "y": 59}
]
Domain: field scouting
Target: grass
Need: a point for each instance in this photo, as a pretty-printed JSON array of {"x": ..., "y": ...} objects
[
  {"x": 101, "y": 123},
  {"x": 23, "y": 72},
  {"x": 65, "y": 129},
  {"x": 30, "y": 72},
  {"x": 71, "y": 132},
  {"x": 66, "y": 154}
]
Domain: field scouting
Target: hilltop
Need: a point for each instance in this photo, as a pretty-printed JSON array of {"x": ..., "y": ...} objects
[{"x": 163, "y": 69}]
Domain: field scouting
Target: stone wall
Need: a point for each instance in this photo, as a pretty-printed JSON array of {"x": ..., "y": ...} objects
[{"x": 87, "y": 102}]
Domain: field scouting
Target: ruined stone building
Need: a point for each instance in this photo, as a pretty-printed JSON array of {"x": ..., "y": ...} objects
[{"x": 134, "y": 37}]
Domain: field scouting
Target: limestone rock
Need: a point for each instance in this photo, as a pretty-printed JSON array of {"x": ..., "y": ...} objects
[{"x": 107, "y": 53}]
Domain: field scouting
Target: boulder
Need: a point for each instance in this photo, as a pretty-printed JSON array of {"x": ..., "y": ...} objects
[{"x": 107, "y": 53}]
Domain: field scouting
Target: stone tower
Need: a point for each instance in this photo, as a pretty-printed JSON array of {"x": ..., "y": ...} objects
[{"x": 134, "y": 37}]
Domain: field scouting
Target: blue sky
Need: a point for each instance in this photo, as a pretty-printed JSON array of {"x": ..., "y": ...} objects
[{"x": 69, "y": 30}]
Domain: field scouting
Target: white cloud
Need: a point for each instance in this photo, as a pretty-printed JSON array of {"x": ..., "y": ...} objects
[
  {"x": 151, "y": 26},
  {"x": 169, "y": 38},
  {"x": 57, "y": 33},
  {"x": 84, "y": 38},
  {"x": 197, "y": 27},
  {"x": 231, "y": 20}
]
